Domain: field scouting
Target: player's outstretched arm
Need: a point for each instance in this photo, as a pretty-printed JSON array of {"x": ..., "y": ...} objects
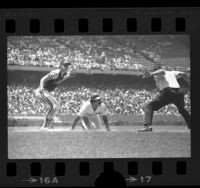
[
  {"x": 75, "y": 122},
  {"x": 158, "y": 72},
  {"x": 105, "y": 120},
  {"x": 155, "y": 73}
]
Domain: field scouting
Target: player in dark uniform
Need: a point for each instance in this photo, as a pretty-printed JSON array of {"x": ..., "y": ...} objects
[{"x": 47, "y": 84}]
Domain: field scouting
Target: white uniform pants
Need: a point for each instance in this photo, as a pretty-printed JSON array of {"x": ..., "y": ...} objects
[{"x": 49, "y": 99}]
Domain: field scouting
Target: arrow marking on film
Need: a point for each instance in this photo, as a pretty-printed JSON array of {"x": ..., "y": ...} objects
[
  {"x": 31, "y": 180},
  {"x": 131, "y": 179}
]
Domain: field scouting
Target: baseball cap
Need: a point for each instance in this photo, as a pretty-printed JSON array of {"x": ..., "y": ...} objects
[
  {"x": 95, "y": 97},
  {"x": 65, "y": 64}
]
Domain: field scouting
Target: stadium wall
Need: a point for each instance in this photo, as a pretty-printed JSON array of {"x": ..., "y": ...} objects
[
  {"x": 112, "y": 80},
  {"x": 16, "y": 76}
]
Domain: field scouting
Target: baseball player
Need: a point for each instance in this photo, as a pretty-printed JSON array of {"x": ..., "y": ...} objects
[
  {"x": 90, "y": 113},
  {"x": 47, "y": 84},
  {"x": 170, "y": 93}
]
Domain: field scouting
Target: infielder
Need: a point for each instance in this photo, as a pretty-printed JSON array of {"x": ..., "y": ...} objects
[
  {"x": 90, "y": 113},
  {"x": 47, "y": 84},
  {"x": 170, "y": 92}
]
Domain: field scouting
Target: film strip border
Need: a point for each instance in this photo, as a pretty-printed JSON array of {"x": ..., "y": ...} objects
[
  {"x": 91, "y": 172},
  {"x": 102, "y": 21},
  {"x": 84, "y": 168},
  {"x": 92, "y": 21},
  {"x": 35, "y": 26},
  {"x": 84, "y": 25}
]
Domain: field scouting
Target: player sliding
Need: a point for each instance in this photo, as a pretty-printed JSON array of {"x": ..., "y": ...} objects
[
  {"x": 170, "y": 93},
  {"x": 47, "y": 84},
  {"x": 90, "y": 113}
]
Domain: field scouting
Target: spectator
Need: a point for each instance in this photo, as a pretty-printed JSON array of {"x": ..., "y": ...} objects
[
  {"x": 100, "y": 53},
  {"x": 119, "y": 100}
]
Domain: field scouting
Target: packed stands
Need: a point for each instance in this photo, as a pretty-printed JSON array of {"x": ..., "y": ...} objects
[
  {"x": 119, "y": 99},
  {"x": 98, "y": 52}
]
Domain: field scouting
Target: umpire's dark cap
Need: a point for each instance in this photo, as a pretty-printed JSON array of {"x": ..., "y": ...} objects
[{"x": 157, "y": 67}]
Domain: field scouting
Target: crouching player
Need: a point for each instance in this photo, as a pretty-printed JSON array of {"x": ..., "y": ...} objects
[
  {"x": 90, "y": 113},
  {"x": 47, "y": 84}
]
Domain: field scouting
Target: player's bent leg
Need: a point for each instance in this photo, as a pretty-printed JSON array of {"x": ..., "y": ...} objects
[
  {"x": 46, "y": 124},
  {"x": 185, "y": 115},
  {"x": 40, "y": 96},
  {"x": 97, "y": 122},
  {"x": 179, "y": 102},
  {"x": 55, "y": 110},
  {"x": 49, "y": 118},
  {"x": 56, "y": 107},
  {"x": 154, "y": 105},
  {"x": 148, "y": 109}
]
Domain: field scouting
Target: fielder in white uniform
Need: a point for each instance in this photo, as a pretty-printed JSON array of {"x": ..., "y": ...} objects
[{"x": 90, "y": 113}]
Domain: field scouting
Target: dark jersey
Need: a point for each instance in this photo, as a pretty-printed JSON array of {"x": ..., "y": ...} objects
[{"x": 54, "y": 79}]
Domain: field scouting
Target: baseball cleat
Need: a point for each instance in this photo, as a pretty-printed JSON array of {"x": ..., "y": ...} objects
[{"x": 146, "y": 129}]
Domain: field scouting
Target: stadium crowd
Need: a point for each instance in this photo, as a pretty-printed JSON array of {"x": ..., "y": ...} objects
[
  {"x": 119, "y": 100},
  {"x": 93, "y": 52},
  {"x": 103, "y": 53}
]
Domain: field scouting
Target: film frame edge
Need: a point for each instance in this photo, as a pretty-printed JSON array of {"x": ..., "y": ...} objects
[{"x": 117, "y": 162}]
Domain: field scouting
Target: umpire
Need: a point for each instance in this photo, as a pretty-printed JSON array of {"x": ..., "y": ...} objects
[{"x": 170, "y": 93}]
